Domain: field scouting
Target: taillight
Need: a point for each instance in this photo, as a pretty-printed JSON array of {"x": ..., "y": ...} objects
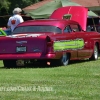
[{"x": 49, "y": 44}]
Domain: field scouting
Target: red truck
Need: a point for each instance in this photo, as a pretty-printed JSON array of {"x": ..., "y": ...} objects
[{"x": 57, "y": 40}]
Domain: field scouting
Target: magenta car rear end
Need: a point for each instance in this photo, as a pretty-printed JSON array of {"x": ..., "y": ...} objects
[{"x": 54, "y": 40}]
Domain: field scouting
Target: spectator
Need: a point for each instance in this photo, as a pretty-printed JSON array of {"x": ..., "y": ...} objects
[{"x": 15, "y": 19}]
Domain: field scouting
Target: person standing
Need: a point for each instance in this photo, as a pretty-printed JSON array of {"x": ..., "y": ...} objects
[{"x": 15, "y": 19}]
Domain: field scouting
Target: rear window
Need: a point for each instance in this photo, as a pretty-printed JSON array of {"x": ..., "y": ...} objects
[{"x": 38, "y": 29}]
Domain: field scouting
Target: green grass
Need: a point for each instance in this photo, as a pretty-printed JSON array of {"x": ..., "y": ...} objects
[{"x": 77, "y": 81}]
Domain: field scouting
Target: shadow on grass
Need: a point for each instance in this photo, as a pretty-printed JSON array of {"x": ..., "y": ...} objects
[
  {"x": 2, "y": 67},
  {"x": 82, "y": 61},
  {"x": 37, "y": 65},
  {"x": 45, "y": 65},
  {"x": 78, "y": 61}
]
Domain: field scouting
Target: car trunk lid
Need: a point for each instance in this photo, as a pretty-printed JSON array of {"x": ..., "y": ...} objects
[
  {"x": 23, "y": 44},
  {"x": 76, "y": 13}
]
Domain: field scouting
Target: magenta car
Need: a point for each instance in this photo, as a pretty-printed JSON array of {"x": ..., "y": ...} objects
[{"x": 57, "y": 40}]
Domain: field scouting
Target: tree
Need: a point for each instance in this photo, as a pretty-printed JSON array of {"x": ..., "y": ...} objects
[
  {"x": 6, "y": 6},
  {"x": 20, "y": 3}
]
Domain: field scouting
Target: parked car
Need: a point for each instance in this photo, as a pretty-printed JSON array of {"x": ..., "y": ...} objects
[
  {"x": 2, "y": 33},
  {"x": 55, "y": 40}
]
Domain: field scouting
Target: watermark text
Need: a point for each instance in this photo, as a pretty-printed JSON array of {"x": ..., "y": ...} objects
[{"x": 26, "y": 88}]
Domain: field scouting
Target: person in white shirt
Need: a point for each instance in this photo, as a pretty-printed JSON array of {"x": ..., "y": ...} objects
[{"x": 15, "y": 19}]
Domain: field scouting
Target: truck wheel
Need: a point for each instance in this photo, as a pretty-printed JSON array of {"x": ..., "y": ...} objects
[
  {"x": 64, "y": 59},
  {"x": 9, "y": 63},
  {"x": 95, "y": 53}
]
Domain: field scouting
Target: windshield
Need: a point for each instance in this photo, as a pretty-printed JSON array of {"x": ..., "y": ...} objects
[{"x": 36, "y": 29}]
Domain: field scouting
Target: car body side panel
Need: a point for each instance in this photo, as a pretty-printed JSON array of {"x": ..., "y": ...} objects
[
  {"x": 85, "y": 51},
  {"x": 65, "y": 43}
]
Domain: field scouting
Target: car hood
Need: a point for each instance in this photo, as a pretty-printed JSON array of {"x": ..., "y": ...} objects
[{"x": 76, "y": 13}]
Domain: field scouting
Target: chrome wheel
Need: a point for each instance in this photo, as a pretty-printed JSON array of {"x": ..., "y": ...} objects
[
  {"x": 95, "y": 53},
  {"x": 65, "y": 59}
]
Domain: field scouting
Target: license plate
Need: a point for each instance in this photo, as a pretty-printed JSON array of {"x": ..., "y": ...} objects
[{"x": 21, "y": 49}]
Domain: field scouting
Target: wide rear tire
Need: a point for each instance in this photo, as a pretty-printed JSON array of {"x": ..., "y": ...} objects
[{"x": 9, "y": 63}]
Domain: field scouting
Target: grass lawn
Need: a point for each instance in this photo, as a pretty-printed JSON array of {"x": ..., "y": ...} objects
[{"x": 77, "y": 81}]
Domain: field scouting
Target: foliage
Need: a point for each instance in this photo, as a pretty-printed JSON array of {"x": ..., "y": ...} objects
[{"x": 6, "y": 6}]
